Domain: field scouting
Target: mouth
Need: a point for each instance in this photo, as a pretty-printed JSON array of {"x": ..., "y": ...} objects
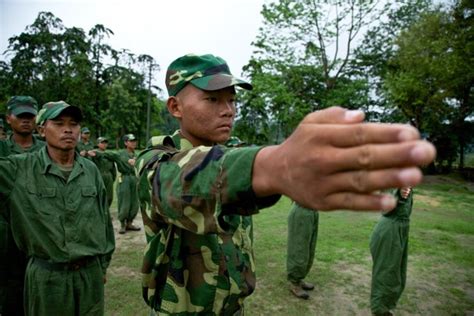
[
  {"x": 68, "y": 139},
  {"x": 225, "y": 126}
]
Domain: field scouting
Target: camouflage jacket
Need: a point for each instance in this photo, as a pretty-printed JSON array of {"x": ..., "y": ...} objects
[{"x": 196, "y": 205}]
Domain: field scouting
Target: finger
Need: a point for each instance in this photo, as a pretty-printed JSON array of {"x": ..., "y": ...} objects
[
  {"x": 380, "y": 156},
  {"x": 366, "y": 133},
  {"x": 334, "y": 115},
  {"x": 355, "y": 201},
  {"x": 365, "y": 181}
]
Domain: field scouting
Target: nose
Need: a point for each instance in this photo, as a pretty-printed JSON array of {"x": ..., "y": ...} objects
[{"x": 227, "y": 108}]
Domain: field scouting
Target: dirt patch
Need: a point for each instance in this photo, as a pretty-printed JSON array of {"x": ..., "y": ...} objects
[
  {"x": 124, "y": 271},
  {"x": 131, "y": 239}
]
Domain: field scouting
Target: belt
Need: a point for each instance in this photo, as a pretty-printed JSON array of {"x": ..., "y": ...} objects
[{"x": 65, "y": 266}]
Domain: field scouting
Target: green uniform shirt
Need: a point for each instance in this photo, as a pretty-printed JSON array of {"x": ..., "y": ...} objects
[
  {"x": 9, "y": 147},
  {"x": 81, "y": 146},
  {"x": 53, "y": 219},
  {"x": 199, "y": 257}
]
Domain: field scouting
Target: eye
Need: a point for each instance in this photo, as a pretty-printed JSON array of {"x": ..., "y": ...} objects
[{"x": 211, "y": 99}]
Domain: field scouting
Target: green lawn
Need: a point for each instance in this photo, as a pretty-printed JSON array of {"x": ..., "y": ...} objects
[{"x": 440, "y": 264}]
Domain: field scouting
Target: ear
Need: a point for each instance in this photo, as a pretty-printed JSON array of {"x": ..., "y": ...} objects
[
  {"x": 174, "y": 107},
  {"x": 8, "y": 118},
  {"x": 40, "y": 130}
]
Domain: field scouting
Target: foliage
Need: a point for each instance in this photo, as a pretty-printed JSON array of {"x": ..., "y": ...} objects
[
  {"x": 50, "y": 61},
  {"x": 306, "y": 59},
  {"x": 430, "y": 80}
]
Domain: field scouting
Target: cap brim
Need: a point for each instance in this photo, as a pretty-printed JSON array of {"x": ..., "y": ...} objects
[
  {"x": 72, "y": 110},
  {"x": 24, "y": 109},
  {"x": 219, "y": 81}
]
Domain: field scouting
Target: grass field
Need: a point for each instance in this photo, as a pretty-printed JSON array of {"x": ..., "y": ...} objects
[{"x": 440, "y": 264}]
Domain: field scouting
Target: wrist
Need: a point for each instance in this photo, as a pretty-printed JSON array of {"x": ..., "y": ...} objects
[{"x": 265, "y": 172}]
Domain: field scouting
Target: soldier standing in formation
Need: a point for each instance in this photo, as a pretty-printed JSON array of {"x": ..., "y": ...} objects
[
  {"x": 127, "y": 187},
  {"x": 302, "y": 238},
  {"x": 389, "y": 250},
  {"x": 55, "y": 203},
  {"x": 108, "y": 162},
  {"x": 21, "y": 114},
  {"x": 85, "y": 145},
  {"x": 199, "y": 257}
]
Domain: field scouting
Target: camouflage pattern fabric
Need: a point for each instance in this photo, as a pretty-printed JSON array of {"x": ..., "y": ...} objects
[
  {"x": 206, "y": 72},
  {"x": 19, "y": 104},
  {"x": 196, "y": 205}
]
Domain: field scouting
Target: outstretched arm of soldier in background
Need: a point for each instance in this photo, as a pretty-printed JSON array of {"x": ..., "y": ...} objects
[{"x": 343, "y": 163}]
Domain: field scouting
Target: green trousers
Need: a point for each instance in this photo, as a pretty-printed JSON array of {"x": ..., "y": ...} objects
[
  {"x": 389, "y": 249},
  {"x": 127, "y": 197},
  {"x": 109, "y": 186},
  {"x": 50, "y": 291},
  {"x": 12, "y": 273},
  {"x": 302, "y": 238}
]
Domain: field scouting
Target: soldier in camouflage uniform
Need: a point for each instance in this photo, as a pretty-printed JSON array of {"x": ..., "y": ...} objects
[
  {"x": 127, "y": 187},
  {"x": 389, "y": 250},
  {"x": 55, "y": 202},
  {"x": 21, "y": 113},
  {"x": 302, "y": 238},
  {"x": 197, "y": 197},
  {"x": 85, "y": 145}
]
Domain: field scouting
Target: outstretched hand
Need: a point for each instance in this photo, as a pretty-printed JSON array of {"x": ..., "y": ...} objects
[{"x": 335, "y": 161}]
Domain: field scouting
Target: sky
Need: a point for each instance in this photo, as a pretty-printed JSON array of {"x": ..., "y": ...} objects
[{"x": 163, "y": 29}]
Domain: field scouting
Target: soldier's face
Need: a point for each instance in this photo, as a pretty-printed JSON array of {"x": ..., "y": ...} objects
[
  {"x": 131, "y": 144},
  {"x": 62, "y": 132},
  {"x": 23, "y": 124},
  {"x": 102, "y": 145},
  {"x": 85, "y": 136},
  {"x": 206, "y": 117}
]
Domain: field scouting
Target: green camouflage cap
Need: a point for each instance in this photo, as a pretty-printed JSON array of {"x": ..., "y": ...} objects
[
  {"x": 129, "y": 137},
  {"x": 102, "y": 139},
  {"x": 206, "y": 72},
  {"x": 52, "y": 110},
  {"x": 20, "y": 104},
  {"x": 85, "y": 130},
  {"x": 234, "y": 141}
]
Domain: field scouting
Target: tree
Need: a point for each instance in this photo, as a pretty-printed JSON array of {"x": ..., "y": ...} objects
[
  {"x": 303, "y": 62},
  {"x": 430, "y": 78}
]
